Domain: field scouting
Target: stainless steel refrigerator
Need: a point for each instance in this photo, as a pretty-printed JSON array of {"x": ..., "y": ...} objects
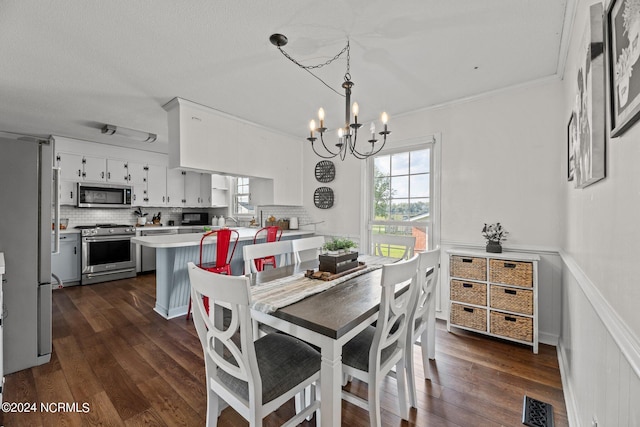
[{"x": 26, "y": 178}]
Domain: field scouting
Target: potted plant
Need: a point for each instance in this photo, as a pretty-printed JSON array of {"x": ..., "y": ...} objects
[
  {"x": 338, "y": 257},
  {"x": 495, "y": 235},
  {"x": 338, "y": 245},
  {"x": 142, "y": 217}
]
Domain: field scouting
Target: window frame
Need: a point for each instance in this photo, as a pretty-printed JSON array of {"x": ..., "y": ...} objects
[{"x": 432, "y": 224}]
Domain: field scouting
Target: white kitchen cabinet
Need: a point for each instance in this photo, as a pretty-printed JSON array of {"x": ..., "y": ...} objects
[
  {"x": 117, "y": 171},
  {"x": 205, "y": 190},
  {"x": 77, "y": 167},
  {"x": 219, "y": 191},
  {"x": 66, "y": 264},
  {"x": 149, "y": 184},
  {"x": 175, "y": 187},
  {"x": 192, "y": 189},
  {"x": 68, "y": 192},
  {"x": 157, "y": 185}
]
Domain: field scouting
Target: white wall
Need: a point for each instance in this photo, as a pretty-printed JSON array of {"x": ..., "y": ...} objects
[
  {"x": 600, "y": 345},
  {"x": 500, "y": 161}
]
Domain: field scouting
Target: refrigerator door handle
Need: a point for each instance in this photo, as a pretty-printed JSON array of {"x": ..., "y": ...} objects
[{"x": 56, "y": 204}]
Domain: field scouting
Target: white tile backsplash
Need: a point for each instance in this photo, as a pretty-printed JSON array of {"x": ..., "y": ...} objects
[{"x": 90, "y": 216}]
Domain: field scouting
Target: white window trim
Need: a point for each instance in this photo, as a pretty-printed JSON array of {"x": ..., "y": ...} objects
[{"x": 435, "y": 180}]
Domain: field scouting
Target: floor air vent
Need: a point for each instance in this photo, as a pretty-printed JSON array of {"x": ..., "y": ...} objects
[{"x": 536, "y": 413}]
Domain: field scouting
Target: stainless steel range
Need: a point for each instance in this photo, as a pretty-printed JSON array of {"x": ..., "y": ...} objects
[{"x": 107, "y": 252}]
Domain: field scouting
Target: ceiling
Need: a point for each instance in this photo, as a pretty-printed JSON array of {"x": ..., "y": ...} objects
[{"x": 68, "y": 67}]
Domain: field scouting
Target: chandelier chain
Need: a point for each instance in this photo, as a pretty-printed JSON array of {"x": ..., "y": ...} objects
[{"x": 308, "y": 68}]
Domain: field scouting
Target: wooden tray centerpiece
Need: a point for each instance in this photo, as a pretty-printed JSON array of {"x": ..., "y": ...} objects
[{"x": 339, "y": 257}]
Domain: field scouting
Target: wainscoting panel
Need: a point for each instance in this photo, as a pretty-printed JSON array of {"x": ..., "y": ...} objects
[{"x": 599, "y": 357}]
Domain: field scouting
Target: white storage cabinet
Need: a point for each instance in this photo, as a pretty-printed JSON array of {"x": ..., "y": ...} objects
[{"x": 494, "y": 294}]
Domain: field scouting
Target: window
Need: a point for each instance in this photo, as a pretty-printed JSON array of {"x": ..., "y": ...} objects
[
  {"x": 242, "y": 197},
  {"x": 401, "y": 196}
]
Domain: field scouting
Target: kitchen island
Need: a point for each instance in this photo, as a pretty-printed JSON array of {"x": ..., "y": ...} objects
[{"x": 173, "y": 251}]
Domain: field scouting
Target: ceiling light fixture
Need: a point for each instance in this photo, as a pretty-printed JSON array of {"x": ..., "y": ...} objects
[
  {"x": 347, "y": 135},
  {"x": 136, "y": 135}
]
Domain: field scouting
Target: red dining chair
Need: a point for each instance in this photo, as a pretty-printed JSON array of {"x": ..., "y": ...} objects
[
  {"x": 222, "y": 264},
  {"x": 274, "y": 233}
]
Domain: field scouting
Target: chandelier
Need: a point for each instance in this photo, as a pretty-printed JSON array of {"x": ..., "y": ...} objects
[{"x": 348, "y": 134}]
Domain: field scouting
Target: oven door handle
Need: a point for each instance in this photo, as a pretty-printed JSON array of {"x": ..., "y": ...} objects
[{"x": 105, "y": 238}]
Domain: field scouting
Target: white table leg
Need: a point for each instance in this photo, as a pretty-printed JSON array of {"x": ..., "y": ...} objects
[{"x": 331, "y": 384}]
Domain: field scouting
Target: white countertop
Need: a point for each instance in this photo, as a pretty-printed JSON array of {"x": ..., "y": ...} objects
[
  {"x": 1, "y": 262},
  {"x": 193, "y": 239}
]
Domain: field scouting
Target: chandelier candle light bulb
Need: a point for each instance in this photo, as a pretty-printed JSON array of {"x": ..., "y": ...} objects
[
  {"x": 312, "y": 126},
  {"x": 356, "y": 110},
  {"x": 321, "y": 117},
  {"x": 373, "y": 132}
]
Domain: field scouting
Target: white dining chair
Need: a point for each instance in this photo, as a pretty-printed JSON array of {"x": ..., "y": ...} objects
[
  {"x": 374, "y": 352},
  {"x": 423, "y": 318},
  {"x": 307, "y": 249},
  {"x": 255, "y": 378},
  {"x": 281, "y": 250},
  {"x": 389, "y": 244}
]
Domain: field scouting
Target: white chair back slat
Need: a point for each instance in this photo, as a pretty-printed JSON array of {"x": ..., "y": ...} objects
[
  {"x": 307, "y": 249},
  {"x": 281, "y": 250}
]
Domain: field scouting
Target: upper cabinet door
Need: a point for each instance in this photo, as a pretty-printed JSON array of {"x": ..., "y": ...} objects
[
  {"x": 117, "y": 171},
  {"x": 71, "y": 166},
  {"x": 156, "y": 185},
  {"x": 192, "y": 192},
  {"x": 175, "y": 187},
  {"x": 95, "y": 169}
]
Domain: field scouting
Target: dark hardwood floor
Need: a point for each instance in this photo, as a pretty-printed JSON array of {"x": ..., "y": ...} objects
[{"x": 116, "y": 362}]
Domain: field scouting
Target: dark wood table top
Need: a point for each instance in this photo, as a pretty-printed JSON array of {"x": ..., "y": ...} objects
[{"x": 335, "y": 311}]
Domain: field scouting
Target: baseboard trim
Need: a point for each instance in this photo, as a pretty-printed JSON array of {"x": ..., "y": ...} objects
[{"x": 569, "y": 397}]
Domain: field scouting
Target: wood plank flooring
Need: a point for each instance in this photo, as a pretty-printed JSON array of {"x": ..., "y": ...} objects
[{"x": 114, "y": 356}]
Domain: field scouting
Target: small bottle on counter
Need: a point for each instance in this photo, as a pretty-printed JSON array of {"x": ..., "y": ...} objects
[
  {"x": 214, "y": 220},
  {"x": 221, "y": 221}
]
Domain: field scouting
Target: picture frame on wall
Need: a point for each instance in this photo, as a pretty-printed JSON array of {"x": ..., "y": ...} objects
[
  {"x": 623, "y": 66},
  {"x": 590, "y": 105},
  {"x": 572, "y": 135}
]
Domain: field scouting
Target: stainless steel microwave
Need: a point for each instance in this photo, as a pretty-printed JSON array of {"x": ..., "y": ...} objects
[{"x": 92, "y": 195}]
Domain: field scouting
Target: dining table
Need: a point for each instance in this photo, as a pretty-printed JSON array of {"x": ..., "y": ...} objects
[{"x": 327, "y": 319}]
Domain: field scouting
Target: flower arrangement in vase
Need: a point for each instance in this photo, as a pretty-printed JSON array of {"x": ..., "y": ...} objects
[{"x": 495, "y": 235}]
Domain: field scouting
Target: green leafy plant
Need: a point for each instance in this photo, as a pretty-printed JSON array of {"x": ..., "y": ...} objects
[
  {"x": 337, "y": 244},
  {"x": 494, "y": 233}
]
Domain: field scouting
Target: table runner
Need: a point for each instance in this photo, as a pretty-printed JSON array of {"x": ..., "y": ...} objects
[{"x": 270, "y": 296}]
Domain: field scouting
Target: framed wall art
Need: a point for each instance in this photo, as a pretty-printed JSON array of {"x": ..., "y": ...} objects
[
  {"x": 590, "y": 107},
  {"x": 623, "y": 71},
  {"x": 572, "y": 136}
]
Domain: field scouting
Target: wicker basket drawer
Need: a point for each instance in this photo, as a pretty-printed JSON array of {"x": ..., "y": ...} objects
[
  {"x": 511, "y": 326},
  {"x": 469, "y": 292},
  {"x": 511, "y": 272},
  {"x": 469, "y": 317},
  {"x": 465, "y": 267},
  {"x": 512, "y": 299}
]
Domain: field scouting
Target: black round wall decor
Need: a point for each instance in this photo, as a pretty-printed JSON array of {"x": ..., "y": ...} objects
[
  {"x": 323, "y": 197},
  {"x": 325, "y": 171}
]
